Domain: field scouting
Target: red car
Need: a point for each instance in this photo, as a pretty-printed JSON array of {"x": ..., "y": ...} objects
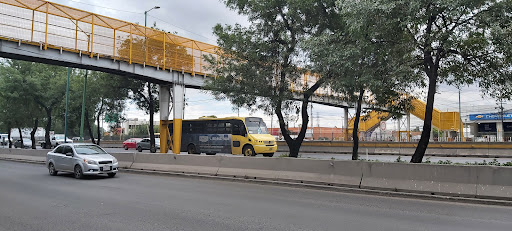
[{"x": 131, "y": 143}]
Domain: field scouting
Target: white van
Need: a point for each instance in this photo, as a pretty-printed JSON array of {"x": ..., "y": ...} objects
[{"x": 4, "y": 139}]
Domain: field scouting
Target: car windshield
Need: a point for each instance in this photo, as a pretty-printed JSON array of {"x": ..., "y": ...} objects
[
  {"x": 59, "y": 137},
  {"x": 89, "y": 150},
  {"x": 256, "y": 126}
]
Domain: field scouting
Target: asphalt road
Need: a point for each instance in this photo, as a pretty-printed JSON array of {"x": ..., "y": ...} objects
[
  {"x": 329, "y": 156},
  {"x": 31, "y": 199}
]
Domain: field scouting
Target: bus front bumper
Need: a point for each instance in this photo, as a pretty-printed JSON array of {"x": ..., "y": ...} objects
[{"x": 265, "y": 149}]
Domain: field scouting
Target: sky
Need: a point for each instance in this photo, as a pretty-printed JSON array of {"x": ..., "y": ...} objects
[{"x": 196, "y": 18}]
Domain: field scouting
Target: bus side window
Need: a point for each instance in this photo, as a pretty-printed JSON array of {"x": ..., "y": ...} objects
[
  {"x": 238, "y": 128},
  {"x": 228, "y": 128}
]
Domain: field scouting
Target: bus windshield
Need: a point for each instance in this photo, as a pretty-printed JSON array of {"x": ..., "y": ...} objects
[{"x": 256, "y": 126}]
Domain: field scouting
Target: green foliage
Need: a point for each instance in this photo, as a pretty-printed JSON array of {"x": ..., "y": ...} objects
[
  {"x": 399, "y": 160},
  {"x": 452, "y": 40},
  {"x": 261, "y": 62},
  {"x": 447, "y": 162}
]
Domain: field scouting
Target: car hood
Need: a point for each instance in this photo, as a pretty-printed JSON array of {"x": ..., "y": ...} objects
[{"x": 99, "y": 157}]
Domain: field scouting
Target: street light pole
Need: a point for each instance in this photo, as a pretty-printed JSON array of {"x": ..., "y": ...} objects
[
  {"x": 83, "y": 108},
  {"x": 146, "y": 14},
  {"x": 66, "y": 114}
]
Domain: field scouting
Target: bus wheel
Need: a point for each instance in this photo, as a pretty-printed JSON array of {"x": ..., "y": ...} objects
[
  {"x": 268, "y": 154},
  {"x": 248, "y": 151},
  {"x": 211, "y": 153},
  {"x": 192, "y": 149}
]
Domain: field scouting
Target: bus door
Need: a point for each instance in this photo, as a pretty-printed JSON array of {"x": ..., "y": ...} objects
[{"x": 238, "y": 137}]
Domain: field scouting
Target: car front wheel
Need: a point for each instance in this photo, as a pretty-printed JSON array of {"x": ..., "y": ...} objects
[
  {"x": 78, "y": 172},
  {"x": 139, "y": 149},
  {"x": 51, "y": 170},
  {"x": 125, "y": 147}
]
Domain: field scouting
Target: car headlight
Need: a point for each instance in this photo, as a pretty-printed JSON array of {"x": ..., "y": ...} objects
[
  {"x": 114, "y": 161},
  {"x": 90, "y": 162}
]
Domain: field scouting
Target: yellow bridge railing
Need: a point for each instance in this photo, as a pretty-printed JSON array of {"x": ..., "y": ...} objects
[{"x": 55, "y": 26}]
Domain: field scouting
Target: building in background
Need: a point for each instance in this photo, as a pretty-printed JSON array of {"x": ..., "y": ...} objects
[{"x": 491, "y": 126}]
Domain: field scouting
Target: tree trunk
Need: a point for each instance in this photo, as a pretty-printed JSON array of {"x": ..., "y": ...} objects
[
  {"x": 47, "y": 142},
  {"x": 88, "y": 125},
  {"x": 427, "y": 122},
  {"x": 98, "y": 130},
  {"x": 9, "y": 137},
  {"x": 294, "y": 144},
  {"x": 151, "y": 124},
  {"x": 33, "y": 133},
  {"x": 355, "y": 132},
  {"x": 21, "y": 138}
]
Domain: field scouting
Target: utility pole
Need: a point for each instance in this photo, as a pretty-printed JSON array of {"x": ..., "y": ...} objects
[
  {"x": 460, "y": 121},
  {"x": 82, "y": 119},
  {"x": 66, "y": 114}
]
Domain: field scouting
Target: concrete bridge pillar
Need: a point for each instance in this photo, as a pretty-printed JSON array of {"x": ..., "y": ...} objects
[
  {"x": 408, "y": 127},
  {"x": 345, "y": 123},
  {"x": 164, "y": 101},
  {"x": 178, "y": 102},
  {"x": 500, "y": 134}
]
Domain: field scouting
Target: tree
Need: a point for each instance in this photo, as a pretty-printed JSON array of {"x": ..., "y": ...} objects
[
  {"x": 33, "y": 86},
  {"x": 365, "y": 65},
  {"x": 260, "y": 63},
  {"x": 451, "y": 41},
  {"x": 145, "y": 97},
  {"x": 106, "y": 95}
]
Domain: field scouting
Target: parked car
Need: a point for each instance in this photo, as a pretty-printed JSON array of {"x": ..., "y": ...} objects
[
  {"x": 4, "y": 140},
  {"x": 57, "y": 139},
  {"x": 131, "y": 143},
  {"x": 27, "y": 143},
  {"x": 81, "y": 160},
  {"x": 144, "y": 144}
]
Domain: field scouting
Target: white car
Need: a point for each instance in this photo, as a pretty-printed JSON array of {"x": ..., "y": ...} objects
[{"x": 81, "y": 159}]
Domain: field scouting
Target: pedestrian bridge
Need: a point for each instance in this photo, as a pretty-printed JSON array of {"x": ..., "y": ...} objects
[{"x": 46, "y": 32}]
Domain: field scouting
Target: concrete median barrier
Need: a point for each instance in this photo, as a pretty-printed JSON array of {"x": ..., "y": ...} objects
[
  {"x": 455, "y": 180},
  {"x": 493, "y": 181},
  {"x": 24, "y": 152},
  {"x": 438, "y": 179}
]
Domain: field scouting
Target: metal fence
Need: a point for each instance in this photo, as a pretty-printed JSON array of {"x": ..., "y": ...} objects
[
  {"x": 51, "y": 25},
  {"x": 54, "y": 26}
]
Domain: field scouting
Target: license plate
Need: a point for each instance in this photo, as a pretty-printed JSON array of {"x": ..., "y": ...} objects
[
  {"x": 107, "y": 168},
  {"x": 270, "y": 149}
]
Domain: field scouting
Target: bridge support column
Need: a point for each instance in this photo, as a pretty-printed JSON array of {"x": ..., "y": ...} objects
[
  {"x": 164, "y": 100},
  {"x": 500, "y": 136},
  {"x": 408, "y": 127},
  {"x": 431, "y": 133},
  {"x": 345, "y": 123},
  {"x": 178, "y": 102},
  {"x": 399, "y": 133}
]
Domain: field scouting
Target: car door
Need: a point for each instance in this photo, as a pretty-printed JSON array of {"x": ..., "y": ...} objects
[
  {"x": 67, "y": 159},
  {"x": 56, "y": 156},
  {"x": 145, "y": 144}
]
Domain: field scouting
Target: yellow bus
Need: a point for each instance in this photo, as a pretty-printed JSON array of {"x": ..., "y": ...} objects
[{"x": 236, "y": 135}]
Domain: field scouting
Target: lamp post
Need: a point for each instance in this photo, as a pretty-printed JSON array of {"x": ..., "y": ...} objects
[
  {"x": 66, "y": 113},
  {"x": 146, "y": 14},
  {"x": 145, "y": 33}
]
